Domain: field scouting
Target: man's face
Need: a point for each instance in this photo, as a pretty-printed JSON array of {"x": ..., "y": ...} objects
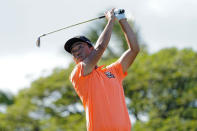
[{"x": 80, "y": 51}]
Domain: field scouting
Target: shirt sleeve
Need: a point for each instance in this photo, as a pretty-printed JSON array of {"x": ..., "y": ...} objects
[
  {"x": 117, "y": 68},
  {"x": 79, "y": 81}
]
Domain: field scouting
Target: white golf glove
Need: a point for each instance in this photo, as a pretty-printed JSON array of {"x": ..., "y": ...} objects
[{"x": 119, "y": 14}]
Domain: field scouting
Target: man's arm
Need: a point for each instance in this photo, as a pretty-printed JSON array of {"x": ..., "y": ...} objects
[
  {"x": 90, "y": 62},
  {"x": 129, "y": 55}
]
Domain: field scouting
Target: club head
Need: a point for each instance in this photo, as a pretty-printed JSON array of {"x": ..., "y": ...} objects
[{"x": 38, "y": 42}]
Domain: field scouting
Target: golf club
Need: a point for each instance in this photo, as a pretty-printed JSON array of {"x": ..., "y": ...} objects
[{"x": 38, "y": 40}]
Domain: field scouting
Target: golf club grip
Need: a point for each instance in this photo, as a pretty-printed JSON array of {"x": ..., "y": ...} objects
[{"x": 101, "y": 17}]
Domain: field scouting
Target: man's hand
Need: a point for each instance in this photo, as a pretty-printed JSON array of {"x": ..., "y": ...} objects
[
  {"x": 119, "y": 14},
  {"x": 110, "y": 15}
]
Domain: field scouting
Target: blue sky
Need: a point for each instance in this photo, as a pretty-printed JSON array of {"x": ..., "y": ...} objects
[{"x": 162, "y": 23}]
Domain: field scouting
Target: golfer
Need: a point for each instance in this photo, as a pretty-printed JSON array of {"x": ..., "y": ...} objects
[{"x": 100, "y": 89}]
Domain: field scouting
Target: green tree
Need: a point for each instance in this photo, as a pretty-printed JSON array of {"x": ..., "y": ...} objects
[
  {"x": 49, "y": 104},
  {"x": 164, "y": 86}
]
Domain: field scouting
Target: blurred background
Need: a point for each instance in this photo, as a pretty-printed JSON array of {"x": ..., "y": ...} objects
[{"x": 161, "y": 86}]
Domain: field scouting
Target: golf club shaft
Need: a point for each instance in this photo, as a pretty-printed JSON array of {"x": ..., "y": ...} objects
[
  {"x": 38, "y": 40},
  {"x": 72, "y": 25}
]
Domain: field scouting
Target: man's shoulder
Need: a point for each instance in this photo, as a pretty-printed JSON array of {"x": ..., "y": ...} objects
[{"x": 76, "y": 70}]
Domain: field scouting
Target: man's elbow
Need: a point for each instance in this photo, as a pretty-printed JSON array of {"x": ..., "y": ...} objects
[
  {"x": 136, "y": 50},
  {"x": 135, "y": 47}
]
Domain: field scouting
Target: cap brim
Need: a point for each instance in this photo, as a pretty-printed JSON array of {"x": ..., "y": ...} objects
[{"x": 71, "y": 41}]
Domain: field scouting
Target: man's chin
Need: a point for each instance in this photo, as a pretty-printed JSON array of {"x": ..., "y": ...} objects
[{"x": 79, "y": 60}]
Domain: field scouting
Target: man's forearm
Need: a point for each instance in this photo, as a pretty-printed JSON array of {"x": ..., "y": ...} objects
[
  {"x": 129, "y": 35},
  {"x": 128, "y": 56},
  {"x": 105, "y": 36}
]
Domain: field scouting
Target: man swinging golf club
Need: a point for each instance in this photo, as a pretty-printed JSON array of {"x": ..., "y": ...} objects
[{"x": 100, "y": 89}]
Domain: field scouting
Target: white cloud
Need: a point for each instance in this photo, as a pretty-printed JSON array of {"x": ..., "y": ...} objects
[{"x": 17, "y": 72}]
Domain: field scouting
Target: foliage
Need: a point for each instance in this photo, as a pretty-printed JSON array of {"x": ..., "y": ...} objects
[{"x": 164, "y": 86}]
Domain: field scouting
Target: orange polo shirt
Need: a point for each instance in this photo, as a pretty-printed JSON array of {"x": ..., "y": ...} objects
[{"x": 102, "y": 95}]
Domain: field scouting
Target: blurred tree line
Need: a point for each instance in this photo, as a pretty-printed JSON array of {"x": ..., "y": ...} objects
[{"x": 160, "y": 89}]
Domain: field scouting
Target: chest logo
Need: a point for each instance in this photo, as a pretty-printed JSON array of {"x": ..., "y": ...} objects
[{"x": 109, "y": 75}]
